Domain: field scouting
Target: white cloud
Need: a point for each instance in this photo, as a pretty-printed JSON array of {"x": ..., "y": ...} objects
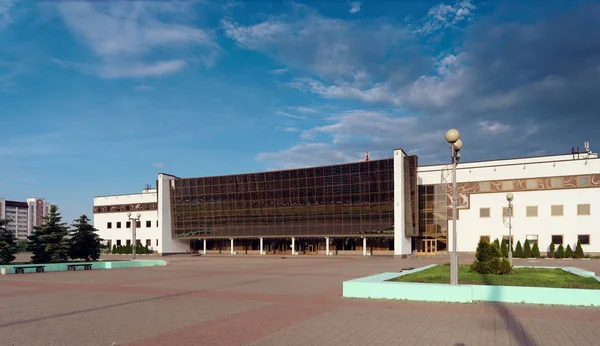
[
  {"x": 493, "y": 127},
  {"x": 279, "y": 71},
  {"x": 287, "y": 129},
  {"x": 286, "y": 114},
  {"x": 355, "y": 6},
  {"x": 375, "y": 93},
  {"x": 143, "y": 87},
  {"x": 306, "y": 154},
  {"x": 159, "y": 165},
  {"x": 443, "y": 16},
  {"x": 125, "y": 36},
  {"x": 304, "y": 109}
]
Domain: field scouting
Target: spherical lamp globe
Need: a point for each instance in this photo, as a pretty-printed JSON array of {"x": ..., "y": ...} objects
[
  {"x": 458, "y": 145},
  {"x": 509, "y": 197},
  {"x": 452, "y": 135},
  {"x": 128, "y": 214}
]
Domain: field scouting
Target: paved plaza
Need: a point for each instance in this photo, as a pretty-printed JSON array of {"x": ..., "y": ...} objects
[{"x": 266, "y": 300}]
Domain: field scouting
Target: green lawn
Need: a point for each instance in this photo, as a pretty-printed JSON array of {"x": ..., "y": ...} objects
[{"x": 532, "y": 277}]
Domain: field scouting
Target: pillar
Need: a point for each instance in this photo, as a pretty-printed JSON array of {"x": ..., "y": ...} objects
[
  {"x": 261, "y": 246},
  {"x": 232, "y": 246},
  {"x": 293, "y": 246},
  {"x": 204, "y": 249},
  {"x": 364, "y": 246},
  {"x": 327, "y": 246}
]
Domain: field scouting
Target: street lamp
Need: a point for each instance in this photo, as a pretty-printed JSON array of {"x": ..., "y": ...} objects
[
  {"x": 134, "y": 221},
  {"x": 509, "y": 198},
  {"x": 453, "y": 138}
]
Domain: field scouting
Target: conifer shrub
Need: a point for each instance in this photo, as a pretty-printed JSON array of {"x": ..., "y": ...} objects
[
  {"x": 527, "y": 249},
  {"x": 519, "y": 250},
  {"x": 535, "y": 251},
  {"x": 579, "y": 250},
  {"x": 560, "y": 252},
  {"x": 569, "y": 252},
  {"x": 488, "y": 260},
  {"x": 551, "y": 250}
]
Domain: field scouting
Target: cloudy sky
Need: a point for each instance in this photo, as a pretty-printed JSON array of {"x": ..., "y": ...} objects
[{"x": 98, "y": 97}]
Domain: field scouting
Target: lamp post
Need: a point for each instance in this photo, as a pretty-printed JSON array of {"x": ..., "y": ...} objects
[
  {"x": 453, "y": 138},
  {"x": 134, "y": 221},
  {"x": 509, "y": 198}
]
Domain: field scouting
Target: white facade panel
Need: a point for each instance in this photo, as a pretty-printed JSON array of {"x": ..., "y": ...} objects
[{"x": 402, "y": 244}]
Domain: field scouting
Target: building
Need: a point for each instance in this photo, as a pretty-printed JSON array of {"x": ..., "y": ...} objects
[
  {"x": 388, "y": 206},
  {"x": 24, "y": 216}
]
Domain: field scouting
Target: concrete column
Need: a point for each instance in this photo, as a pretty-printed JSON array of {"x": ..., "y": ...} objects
[
  {"x": 364, "y": 246},
  {"x": 204, "y": 249},
  {"x": 232, "y": 246},
  {"x": 327, "y": 246},
  {"x": 261, "y": 246},
  {"x": 293, "y": 246}
]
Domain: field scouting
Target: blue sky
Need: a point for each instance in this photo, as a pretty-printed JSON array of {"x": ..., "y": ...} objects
[{"x": 98, "y": 97}]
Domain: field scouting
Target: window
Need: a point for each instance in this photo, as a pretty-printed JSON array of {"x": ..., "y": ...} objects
[
  {"x": 584, "y": 239},
  {"x": 583, "y": 209},
  {"x": 505, "y": 237},
  {"x": 148, "y": 242},
  {"x": 118, "y": 225},
  {"x": 157, "y": 241},
  {"x": 532, "y": 184},
  {"x": 128, "y": 224},
  {"x": 507, "y": 185},
  {"x": 484, "y": 238},
  {"x": 556, "y": 182},
  {"x": 532, "y": 239},
  {"x": 484, "y": 186},
  {"x": 128, "y": 242},
  {"x": 484, "y": 212},
  {"x": 109, "y": 225},
  {"x": 508, "y": 212},
  {"x": 118, "y": 242},
  {"x": 156, "y": 223},
  {"x": 583, "y": 181},
  {"x": 556, "y": 210},
  {"x": 148, "y": 224},
  {"x": 532, "y": 211},
  {"x": 138, "y": 224},
  {"x": 557, "y": 239},
  {"x": 138, "y": 242}
]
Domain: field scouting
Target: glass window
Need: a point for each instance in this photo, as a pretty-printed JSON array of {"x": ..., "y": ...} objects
[
  {"x": 556, "y": 210},
  {"x": 532, "y": 184},
  {"x": 484, "y": 186},
  {"x": 128, "y": 224},
  {"x": 507, "y": 185},
  {"x": 556, "y": 182},
  {"x": 484, "y": 238},
  {"x": 484, "y": 212},
  {"x": 118, "y": 224},
  {"x": 148, "y": 242},
  {"x": 118, "y": 242},
  {"x": 584, "y": 239},
  {"x": 109, "y": 225},
  {"x": 583, "y": 181},
  {"x": 532, "y": 211},
  {"x": 532, "y": 239},
  {"x": 508, "y": 211},
  {"x": 148, "y": 223},
  {"x": 583, "y": 209},
  {"x": 557, "y": 239}
]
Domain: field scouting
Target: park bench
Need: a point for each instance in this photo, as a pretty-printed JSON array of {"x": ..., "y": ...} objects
[
  {"x": 21, "y": 270},
  {"x": 73, "y": 267}
]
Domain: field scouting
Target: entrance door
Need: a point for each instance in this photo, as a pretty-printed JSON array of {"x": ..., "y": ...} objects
[{"x": 428, "y": 246}]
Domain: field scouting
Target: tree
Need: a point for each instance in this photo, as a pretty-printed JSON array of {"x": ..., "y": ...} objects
[
  {"x": 85, "y": 243},
  {"x": 8, "y": 243},
  {"x": 519, "y": 250},
  {"x": 527, "y": 249},
  {"x": 49, "y": 241},
  {"x": 497, "y": 244},
  {"x": 551, "y": 250},
  {"x": 488, "y": 260},
  {"x": 535, "y": 251},
  {"x": 504, "y": 248},
  {"x": 569, "y": 252},
  {"x": 579, "y": 250},
  {"x": 560, "y": 253}
]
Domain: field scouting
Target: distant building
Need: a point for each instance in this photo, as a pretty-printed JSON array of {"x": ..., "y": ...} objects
[{"x": 24, "y": 216}]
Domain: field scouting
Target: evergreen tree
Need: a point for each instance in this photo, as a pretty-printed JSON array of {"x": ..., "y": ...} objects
[
  {"x": 535, "y": 251},
  {"x": 519, "y": 250},
  {"x": 504, "y": 248},
  {"x": 560, "y": 252},
  {"x": 8, "y": 243},
  {"x": 569, "y": 252},
  {"x": 551, "y": 250},
  {"x": 85, "y": 242},
  {"x": 527, "y": 249},
  {"x": 497, "y": 244},
  {"x": 579, "y": 250},
  {"x": 49, "y": 241}
]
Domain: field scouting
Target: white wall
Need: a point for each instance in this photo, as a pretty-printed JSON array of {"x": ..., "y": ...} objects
[
  {"x": 168, "y": 244},
  {"x": 402, "y": 244},
  {"x": 470, "y": 226}
]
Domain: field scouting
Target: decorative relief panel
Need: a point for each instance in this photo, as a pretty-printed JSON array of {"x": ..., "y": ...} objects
[
  {"x": 122, "y": 208},
  {"x": 514, "y": 185}
]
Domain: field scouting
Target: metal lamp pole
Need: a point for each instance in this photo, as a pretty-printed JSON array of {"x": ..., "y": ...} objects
[
  {"x": 134, "y": 221},
  {"x": 509, "y": 198},
  {"x": 453, "y": 138}
]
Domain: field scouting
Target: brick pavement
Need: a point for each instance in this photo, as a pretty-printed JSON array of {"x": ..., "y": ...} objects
[{"x": 256, "y": 300}]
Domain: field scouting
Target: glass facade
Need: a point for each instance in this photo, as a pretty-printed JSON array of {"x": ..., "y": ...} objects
[
  {"x": 433, "y": 216},
  {"x": 343, "y": 200}
]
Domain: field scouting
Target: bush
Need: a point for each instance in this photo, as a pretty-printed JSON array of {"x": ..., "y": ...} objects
[
  {"x": 560, "y": 253},
  {"x": 8, "y": 243},
  {"x": 527, "y": 249},
  {"x": 569, "y": 252},
  {"x": 504, "y": 248},
  {"x": 488, "y": 260},
  {"x": 535, "y": 251},
  {"x": 551, "y": 250},
  {"x": 519, "y": 250},
  {"x": 579, "y": 250},
  {"x": 497, "y": 244}
]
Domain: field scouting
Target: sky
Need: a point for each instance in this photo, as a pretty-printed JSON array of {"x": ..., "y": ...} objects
[{"x": 97, "y": 97}]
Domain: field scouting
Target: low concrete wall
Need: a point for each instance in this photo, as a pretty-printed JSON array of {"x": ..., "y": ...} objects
[
  {"x": 378, "y": 286},
  {"x": 58, "y": 267}
]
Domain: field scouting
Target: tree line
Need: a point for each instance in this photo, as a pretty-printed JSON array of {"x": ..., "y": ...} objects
[{"x": 53, "y": 241}]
